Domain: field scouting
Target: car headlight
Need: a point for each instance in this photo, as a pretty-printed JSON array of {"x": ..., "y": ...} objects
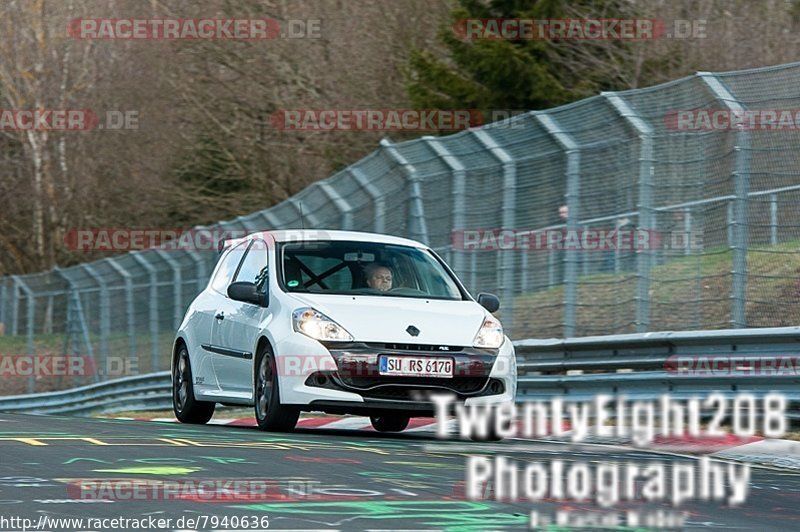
[
  {"x": 490, "y": 335},
  {"x": 318, "y": 326}
]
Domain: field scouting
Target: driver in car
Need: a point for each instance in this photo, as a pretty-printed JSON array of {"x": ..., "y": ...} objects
[{"x": 379, "y": 277}]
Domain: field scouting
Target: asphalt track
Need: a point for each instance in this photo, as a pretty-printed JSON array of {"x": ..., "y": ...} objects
[{"x": 321, "y": 479}]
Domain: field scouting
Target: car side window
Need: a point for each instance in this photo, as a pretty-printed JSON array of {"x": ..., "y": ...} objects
[
  {"x": 227, "y": 268},
  {"x": 254, "y": 265}
]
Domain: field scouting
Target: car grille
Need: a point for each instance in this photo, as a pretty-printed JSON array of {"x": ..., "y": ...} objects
[
  {"x": 406, "y": 388},
  {"x": 460, "y": 385}
]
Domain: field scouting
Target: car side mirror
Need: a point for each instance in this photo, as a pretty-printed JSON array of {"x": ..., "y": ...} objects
[
  {"x": 489, "y": 301},
  {"x": 247, "y": 292}
]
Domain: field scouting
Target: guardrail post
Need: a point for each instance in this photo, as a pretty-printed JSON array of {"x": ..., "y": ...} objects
[
  {"x": 646, "y": 220},
  {"x": 573, "y": 154},
  {"x": 19, "y": 284},
  {"x": 129, "y": 311},
  {"x": 153, "y": 305},
  {"x": 509, "y": 219},
  {"x": 459, "y": 188},
  {"x": 341, "y": 204},
  {"x": 741, "y": 176},
  {"x": 417, "y": 226},
  {"x": 378, "y": 201},
  {"x": 105, "y": 318}
]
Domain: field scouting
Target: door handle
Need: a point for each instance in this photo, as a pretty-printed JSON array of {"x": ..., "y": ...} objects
[{"x": 220, "y": 315}]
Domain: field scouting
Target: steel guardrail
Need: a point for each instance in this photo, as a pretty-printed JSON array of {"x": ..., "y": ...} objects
[
  {"x": 634, "y": 365},
  {"x": 644, "y": 365},
  {"x": 142, "y": 392}
]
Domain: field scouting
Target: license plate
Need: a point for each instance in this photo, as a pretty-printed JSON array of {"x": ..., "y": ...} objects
[{"x": 415, "y": 366}]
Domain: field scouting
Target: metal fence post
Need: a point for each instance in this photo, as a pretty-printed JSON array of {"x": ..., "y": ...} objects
[
  {"x": 105, "y": 318},
  {"x": 376, "y": 195},
  {"x": 646, "y": 220},
  {"x": 417, "y": 226},
  {"x": 509, "y": 219},
  {"x": 304, "y": 213},
  {"x": 129, "y": 311},
  {"x": 15, "y": 307},
  {"x": 741, "y": 176},
  {"x": 19, "y": 284},
  {"x": 729, "y": 222},
  {"x": 200, "y": 267},
  {"x": 75, "y": 312},
  {"x": 273, "y": 222},
  {"x": 177, "y": 282},
  {"x": 458, "y": 175},
  {"x": 572, "y": 151},
  {"x": 551, "y": 268},
  {"x": 473, "y": 270},
  {"x": 341, "y": 204},
  {"x": 3, "y": 293},
  {"x": 773, "y": 220},
  {"x": 153, "y": 307}
]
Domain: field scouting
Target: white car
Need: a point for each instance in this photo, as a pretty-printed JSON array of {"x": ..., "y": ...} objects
[{"x": 339, "y": 322}]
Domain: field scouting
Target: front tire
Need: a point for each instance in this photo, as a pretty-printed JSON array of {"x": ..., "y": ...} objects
[
  {"x": 270, "y": 413},
  {"x": 390, "y": 423},
  {"x": 186, "y": 408}
]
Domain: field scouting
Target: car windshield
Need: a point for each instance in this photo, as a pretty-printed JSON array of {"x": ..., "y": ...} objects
[{"x": 364, "y": 268}]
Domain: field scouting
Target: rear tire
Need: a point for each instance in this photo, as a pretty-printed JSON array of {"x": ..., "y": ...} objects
[
  {"x": 270, "y": 414},
  {"x": 187, "y": 409},
  {"x": 390, "y": 423}
]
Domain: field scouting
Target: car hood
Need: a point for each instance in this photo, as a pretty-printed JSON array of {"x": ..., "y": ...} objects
[{"x": 385, "y": 319}]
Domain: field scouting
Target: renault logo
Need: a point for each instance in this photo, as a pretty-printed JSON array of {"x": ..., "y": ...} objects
[{"x": 413, "y": 331}]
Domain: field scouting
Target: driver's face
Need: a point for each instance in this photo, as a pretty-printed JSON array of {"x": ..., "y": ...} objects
[{"x": 381, "y": 279}]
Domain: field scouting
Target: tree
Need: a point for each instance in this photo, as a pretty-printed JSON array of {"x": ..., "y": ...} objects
[{"x": 517, "y": 74}]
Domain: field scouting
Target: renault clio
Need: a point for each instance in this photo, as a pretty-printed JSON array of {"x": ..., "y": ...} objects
[{"x": 338, "y": 322}]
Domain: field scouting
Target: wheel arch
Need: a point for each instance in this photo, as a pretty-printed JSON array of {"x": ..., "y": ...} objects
[
  {"x": 180, "y": 341},
  {"x": 263, "y": 341}
]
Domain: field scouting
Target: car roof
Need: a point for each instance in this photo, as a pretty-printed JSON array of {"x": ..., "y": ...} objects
[{"x": 295, "y": 235}]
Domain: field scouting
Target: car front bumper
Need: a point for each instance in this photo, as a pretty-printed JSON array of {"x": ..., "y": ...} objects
[{"x": 349, "y": 381}]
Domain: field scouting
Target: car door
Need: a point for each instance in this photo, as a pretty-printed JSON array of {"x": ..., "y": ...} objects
[
  {"x": 212, "y": 305},
  {"x": 237, "y": 333},
  {"x": 205, "y": 319}
]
